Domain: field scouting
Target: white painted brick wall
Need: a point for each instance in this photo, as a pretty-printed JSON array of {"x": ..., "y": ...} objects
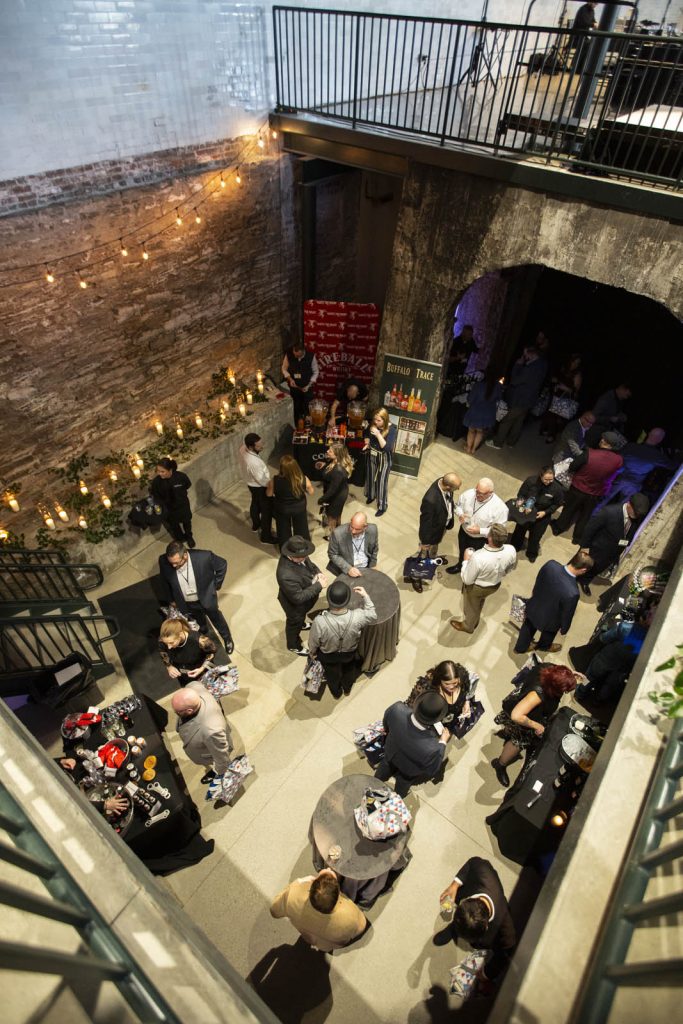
[{"x": 89, "y": 80}]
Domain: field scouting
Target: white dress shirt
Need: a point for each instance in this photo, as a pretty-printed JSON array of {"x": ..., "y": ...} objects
[
  {"x": 481, "y": 513},
  {"x": 187, "y": 582},
  {"x": 360, "y": 555},
  {"x": 254, "y": 470},
  {"x": 487, "y": 566}
]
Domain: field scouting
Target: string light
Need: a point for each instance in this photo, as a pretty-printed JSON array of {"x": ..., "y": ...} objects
[
  {"x": 223, "y": 182},
  {"x": 242, "y": 409},
  {"x": 250, "y": 398},
  {"x": 47, "y": 516},
  {"x": 273, "y": 134},
  {"x": 61, "y": 512},
  {"x": 222, "y": 415},
  {"x": 49, "y": 276},
  {"x": 113, "y": 475},
  {"x": 260, "y": 387},
  {"x": 81, "y": 281},
  {"x": 198, "y": 219},
  {"x": 106, "y": 500},
  {"x": 261, "y": 143},
  {"x": 179, "y": 431},
  {"x": 12, "y": 501},
  {"x": 159, "y": 427},
  {"x": 4, "y": 535},
  {"x": 83, "y": 522},
  {"x": 178, "y": 218},
  {"x": 238, "y": 177},
  {"x": 199, "y": 422},
  {"x": 83, "y": 487},
  {"x": 124, "y": 251},
  {"x": 231, "y": 377},
  {"x": 138, "y": 461},
  {"x": 145, "y": 254}
]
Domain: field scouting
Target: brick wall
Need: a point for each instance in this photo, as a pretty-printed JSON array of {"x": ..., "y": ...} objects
[{"x": 89, "y": 369}]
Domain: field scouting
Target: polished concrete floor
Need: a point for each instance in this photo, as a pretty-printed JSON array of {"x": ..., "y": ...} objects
[{"x": 298, "y": 747}]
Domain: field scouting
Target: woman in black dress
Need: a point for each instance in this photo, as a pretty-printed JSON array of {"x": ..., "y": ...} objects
[
  {"x": 169, "y": 489},
  {"x": 527, "y": 709},
  {"x": 336, "y": 477},
  {"x": 452, "y": 682},
  {"x": 289, "y": 488},
  {"x": 185, "y": 653}
]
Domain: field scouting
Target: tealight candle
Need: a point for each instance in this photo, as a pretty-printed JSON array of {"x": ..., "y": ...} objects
[
  {"x": 242, "y": 409},
  {"x": 13, "y": 503},
  {"x": 199, "y": 421},
  {"x": 250, "y": 398},
  {"x": 83, "y": 487},
  {"x": 159, "y": 427},
  {"x": 179, "y": 431},
  {"x": 82, "y": 522}
]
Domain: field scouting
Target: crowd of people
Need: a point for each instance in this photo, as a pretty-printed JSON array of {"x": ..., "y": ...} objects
[{"x": 591, "y": 484}]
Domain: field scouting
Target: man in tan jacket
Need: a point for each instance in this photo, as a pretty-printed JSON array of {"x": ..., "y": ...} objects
[
  {"x": 203, "y": 729},
  {"x": 325, "y": 918}
]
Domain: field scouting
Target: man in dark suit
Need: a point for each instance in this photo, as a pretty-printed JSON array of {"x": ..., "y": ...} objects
[
  {"x": 572, "y": 440},
  {"x": 353, "y": 547},
  {"x": 609, "y": 532},
  {"x": 437, "y": 514},
  {"x": 300, "y": 584},
  {"x": 415, "y": 746},
  {"x": 482, "y": 915},
  {"x": 192, "y": 580},
  {"x": 552, "y": 603}
]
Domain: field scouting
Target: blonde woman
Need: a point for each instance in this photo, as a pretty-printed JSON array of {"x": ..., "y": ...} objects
[
  {"x": 336, "y": 476},
  {"x": 379, "y": 446},
  {"x": 289, "y": 488},
  {"x": 185, "y": 653}
]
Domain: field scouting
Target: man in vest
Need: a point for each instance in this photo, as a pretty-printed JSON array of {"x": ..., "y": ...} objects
[
  {"x": 300, "y": 370},
  {"x": 593, "y": 472}
]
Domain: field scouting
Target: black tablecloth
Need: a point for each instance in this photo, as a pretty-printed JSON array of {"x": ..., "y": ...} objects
[
  {"x": 378, "y": 642},
  {"x": 366, "y": 866},
  {"x": 515, "y": 824},
  {"x": 175, "y": 842},
  {"x": 308, "y": 454}
]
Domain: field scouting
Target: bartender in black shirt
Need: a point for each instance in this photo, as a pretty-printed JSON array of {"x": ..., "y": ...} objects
[{"x": 350, "y": 390}]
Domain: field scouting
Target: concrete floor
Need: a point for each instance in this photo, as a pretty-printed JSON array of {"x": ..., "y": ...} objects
[{"x": 298, "y": 747}]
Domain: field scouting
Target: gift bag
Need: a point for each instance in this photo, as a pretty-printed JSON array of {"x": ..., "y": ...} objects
[
  {"x": 415, "y": 568},
  {"x": 220, "y": 680},
  {"x": 542, "y": 403},
  {"x": 501, "y": 410},
  {"x": 370, "y": 742},
  {"x": 465, "y": 974},
  {"x": 462, "y": 725},
  {"x": 562, "y": 474},
  {"x": 313, "y": 677},
  {"x": 518, "y": 610},
  {"x": 381, "y": 813},
  {"x": 223, "y": 787},
  {"x": 171, "y": 612},
  {"x": 565, "y": 408}
]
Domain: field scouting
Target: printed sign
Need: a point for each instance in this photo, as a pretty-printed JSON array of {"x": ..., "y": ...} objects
[
  {"x": 409, "y": 388},
  {"x": 343, "y": 337}
]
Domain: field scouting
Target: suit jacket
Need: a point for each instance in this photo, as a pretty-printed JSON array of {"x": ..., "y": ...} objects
[
  {"x": 413, "y": 751},
  {"x": 434, "y": 514},
  {"x": 206, "y": 737},
  {"x": 554, "y": 598},
  {"x": 340, "y": 549},
  {"x": 571, "y": 443},
  {"x": 297, "y": 592},
  {"x": 603, "y": 532},
  {"x": 324, "y": 931},
  {"x": 477, "y": 877},
  {"x": 209, "y": 573}
]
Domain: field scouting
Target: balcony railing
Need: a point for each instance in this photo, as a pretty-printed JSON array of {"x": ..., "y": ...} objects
[{"x": 600, "y": 102}]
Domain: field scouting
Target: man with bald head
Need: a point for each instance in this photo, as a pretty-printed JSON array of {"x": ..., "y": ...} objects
[
  {"x": 477, "y": 511},
  {"x": 202, "y": 728},
  {"x": 353, "y": 547},
  {"x": 437, "y": 514}
]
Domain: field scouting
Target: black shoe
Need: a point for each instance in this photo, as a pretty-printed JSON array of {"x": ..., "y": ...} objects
[
  {"x": 380, "y": 512},
  {"x": 443, "y": 937},
  {"x": 268, "y": 540},
  {"x": 586, "y": 589},
  {"x": 206, "y": 779},
  {"x": 306, "y": 626},
  {"x": 555, "y": 531},
  {"x": 453, "y": 570},
  {"x": 417, "y": 586},
  {"x": 501, "y": 773},
  {"x": 191, "y": 542},
  {"x": 369, "y": 501},
  {"x": 229, "y": 645},
  {"x": 531, "y": 558}
]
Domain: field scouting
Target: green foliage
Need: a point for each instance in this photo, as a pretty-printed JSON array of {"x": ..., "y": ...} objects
[
  {"x": 13, "y": 541},
  {"x": 670, "y": 702}
]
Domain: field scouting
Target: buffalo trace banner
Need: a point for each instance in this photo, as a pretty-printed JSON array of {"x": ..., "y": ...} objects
[
  {"x": 408, "y": 390},
  {"x": 343, "y": 337}
]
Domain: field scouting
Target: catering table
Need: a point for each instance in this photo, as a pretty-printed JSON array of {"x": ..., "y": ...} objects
[
  {"x": 378, "y": 642},
  {"x": 176, "y": 841},
  {"x": 366, "y": 867},
  {"x": 308, "y": 454},
  {"x": 521, "y": 818}
]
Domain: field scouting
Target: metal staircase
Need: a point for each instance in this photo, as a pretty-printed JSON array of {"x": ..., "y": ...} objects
[{"x": 40, "y": 587}]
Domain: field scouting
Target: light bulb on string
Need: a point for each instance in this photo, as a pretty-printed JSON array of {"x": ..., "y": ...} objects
[
  {"x": 46, "y": 516},
  {"x": 83, "y": 487},
  {"x": 198, "y": 219},
  {"x": 61, "y": 512},
  {"x": 82, "y": 283},
  {"x": 49, "y": 276},
  {"x": 223, "y": 183},
  {"x": 238, "y": 177},
  {"x": 178, "y": 218},
  {"x": 179, "y": 431},
  {"x": 199, "y": 422},
  {"x": 273, "y": 134},
  {"x": 4, "y": 535},
  {"x": 12, "y": 501},
  {"x": 124, "y": 251},
  {"x": 106, "y": 500},
  {"x": 145, "y": 254},
  {"x": 260, "y": 143},
  {"x": 113, "y": 476},
  {"x": 159, "y": 427},
  {"x": 83, "y": 522}
]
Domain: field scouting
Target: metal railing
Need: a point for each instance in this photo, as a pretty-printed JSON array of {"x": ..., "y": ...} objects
[
  {"x": 27, "y": 644},
  {"x": 43, "y": 587},
  {"x": 610, "y": 968},
  {"x": 31, "y": 556},
  {"x": 602, "y": 102}
]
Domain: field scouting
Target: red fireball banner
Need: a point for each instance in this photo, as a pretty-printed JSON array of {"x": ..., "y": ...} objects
[{"x": 343, "y": 337}]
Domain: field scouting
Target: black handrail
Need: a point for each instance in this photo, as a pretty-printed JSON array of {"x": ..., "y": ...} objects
[
  {"x": 505, "y": 87},
  {"x": 30, "y": 643},
  {"x": 31, "y": 556},
  {"x": 36, "y": 584}
]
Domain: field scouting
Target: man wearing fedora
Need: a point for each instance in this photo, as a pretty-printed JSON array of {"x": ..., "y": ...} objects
[
  {"x": 300, "y": 583},
  {"x": 335, "y": 635},
  {"x": 415, "y": 746}
]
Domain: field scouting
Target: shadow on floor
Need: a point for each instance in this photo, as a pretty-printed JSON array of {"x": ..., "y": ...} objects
[{"x": 274, "y": 976}]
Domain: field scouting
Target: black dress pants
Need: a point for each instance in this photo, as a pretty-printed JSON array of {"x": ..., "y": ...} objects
[
  {"x": 261, "y": 512},
  {"x": 527, "y": 634},
  {"x": 291, "y": 524},
  {"x": 215, "y": 616},
  {"x": 300, "y": 401},
  {"x": 465, "y": 541},
  {"x": 180, "y": 529},
  {"x": 402, "y": 784},
  {"x": 341, "y": 670},
  {"x": 536, "y": 528},
  {"x": 578, "y": 508}
]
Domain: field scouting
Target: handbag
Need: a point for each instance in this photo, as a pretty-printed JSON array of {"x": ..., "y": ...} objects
[
  {"x": 462, "y": 725},
  {"x": 565, "y": 408},
  {"x": 223, "y": 787},
  {"x": 542, "y": 403},
  {"x": 562, "y": 474},
  {"x": 370, "y": 741},
  {"x": 220, "y": 680},
  {"x": 501, "y": 410},
  {"x": 381, "y": 814},
  {"x": 518, "y": 610},
  {"x": 415, "y": 568},
  {"x": 313, "y": 677}
]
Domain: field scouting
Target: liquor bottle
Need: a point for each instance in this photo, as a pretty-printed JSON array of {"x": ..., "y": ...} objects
[
  {"x": 404, "y": 402},
  {"x": 399, "y": 397},
  {"x": 387, "y": 397},
  {"x": 420, "y": 406},
  {"x": 394, "y": 393},
  {"x": 411, "y": 400}
]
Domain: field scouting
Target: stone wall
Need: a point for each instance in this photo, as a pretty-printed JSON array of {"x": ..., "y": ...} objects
[{"x": 453, "y": 228}]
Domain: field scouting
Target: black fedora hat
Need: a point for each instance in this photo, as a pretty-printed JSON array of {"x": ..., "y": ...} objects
[
  {"x": 430, "y": 708},
  {"x": 338, "y": 594},
  {"x": 297, "y": 547}
]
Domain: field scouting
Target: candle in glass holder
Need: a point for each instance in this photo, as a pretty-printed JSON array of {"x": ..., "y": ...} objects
[
  {"x": 222, "y": 415},
  {"x": 47, "y": 517},
  {"x": 250, "y": 398},
  {"x": 138, "y": 461},
  {"x": 259, "y": 376},
  {"x": 106, "y": 501},
  {"x": 82, "y": 522},
  {"x": 83, "y": 487},
  {"x": 199, "y": 422},
  {"x": 113, "y": 475},
  {"x": 159, "y": 427},
  {"x": 179, "y": 431},
  {"x": 12, "y": 502},
  {"x": 61, "y": 512},
  {"x": 231, "y": 377},
  {"x": 260, "y": 387},
  {"x": 135, "y": 470},
  {"x": 242, "y": 409},
  {"x": 226, "y": 405},
  {"x": 3, "y": 533}
]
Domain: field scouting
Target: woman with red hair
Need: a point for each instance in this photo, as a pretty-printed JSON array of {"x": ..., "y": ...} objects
[{"x": 527, "y": 710}]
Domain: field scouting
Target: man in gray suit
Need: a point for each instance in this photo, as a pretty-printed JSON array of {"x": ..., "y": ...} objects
[
  {"x": 203, "y": 729},
  {"x": 353, "y": 547}
]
